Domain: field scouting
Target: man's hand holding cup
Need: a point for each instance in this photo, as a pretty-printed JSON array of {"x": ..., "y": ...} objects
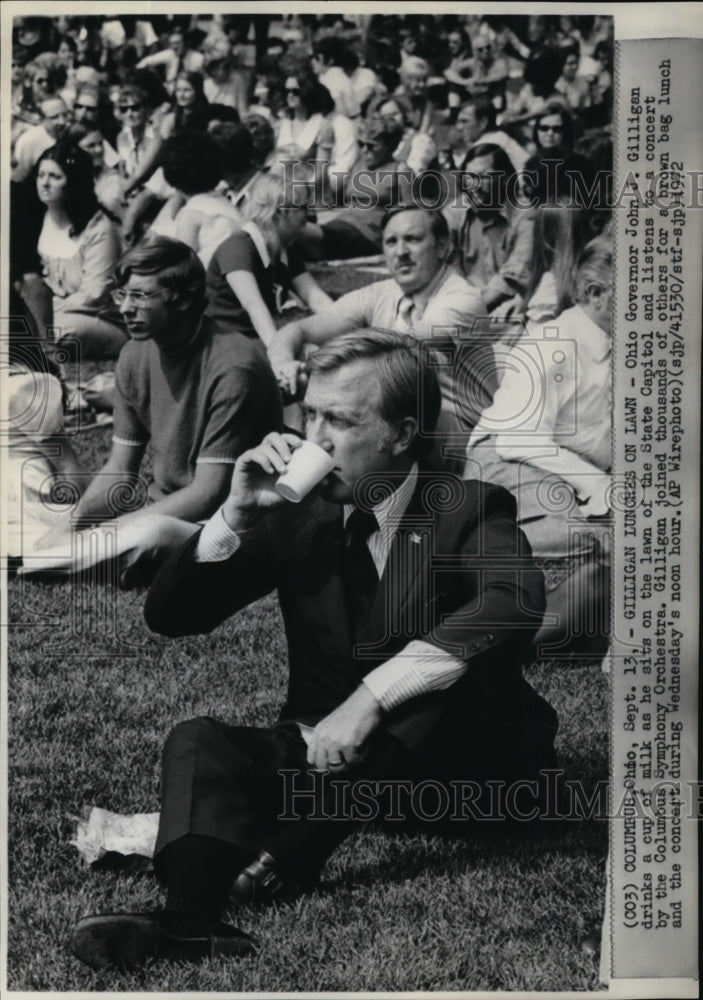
[{"x": 283, "y": 468}]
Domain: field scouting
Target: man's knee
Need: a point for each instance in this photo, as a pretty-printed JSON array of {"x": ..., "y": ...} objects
[{"x": 189, "y": 733}]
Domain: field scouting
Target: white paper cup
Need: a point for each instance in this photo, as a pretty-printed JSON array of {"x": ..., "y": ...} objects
[{"x": 308, "y": 466}]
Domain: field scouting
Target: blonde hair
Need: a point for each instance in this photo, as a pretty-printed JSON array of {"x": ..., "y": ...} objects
[
  {"x": 284, "y": 184},
  {"x": 595, "y": 267},
  {"x": 414, "y": 65}
]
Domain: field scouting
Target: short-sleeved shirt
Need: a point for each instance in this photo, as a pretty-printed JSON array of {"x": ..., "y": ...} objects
[
  {"x": 449, "y": 313},
  {"x": 207, "y": 403},
  {"x": 245, "y": 250}
]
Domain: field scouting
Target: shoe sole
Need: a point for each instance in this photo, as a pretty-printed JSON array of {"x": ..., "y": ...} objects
[
  {"x": 118, "y": 941},
  {"x": 127, "y": 941}
]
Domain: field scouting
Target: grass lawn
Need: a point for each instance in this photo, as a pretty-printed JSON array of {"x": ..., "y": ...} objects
[{"x": 92, "y": 695}]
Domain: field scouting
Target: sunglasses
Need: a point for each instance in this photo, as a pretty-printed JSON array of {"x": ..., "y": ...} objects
[
  {"x": 84, "y": 107},
  {"x": 131, "y": 107},
  {"x": 550, "y": 128},
  {"x": 293, "y": 90}
]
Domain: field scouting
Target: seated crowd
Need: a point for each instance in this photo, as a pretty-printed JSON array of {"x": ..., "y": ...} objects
[
  {"x": 180, "y": 180},
  {"x": 178, "y": 183}
]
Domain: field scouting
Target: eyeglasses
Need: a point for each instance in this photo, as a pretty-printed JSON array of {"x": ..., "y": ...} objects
[
  {"x": 550, "y": 128},
  {"x": 138, "y": 298}
]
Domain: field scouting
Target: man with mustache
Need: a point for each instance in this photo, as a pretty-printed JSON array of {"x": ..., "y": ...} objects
[
  {"x": 406, "y": 623},
  {"x": 424, "y": 297}
]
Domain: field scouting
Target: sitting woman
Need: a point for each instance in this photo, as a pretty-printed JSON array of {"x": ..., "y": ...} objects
[
  {"x": 573, "y": 87},
  {"x": 190, "y": 106},
  {"x": 561, "y": 235},
  {"x": 314, "y": 130},
  {"x": 546, "y": 438},
  {"x": 139, "y": 141},
  {"x": 79, "y": 247},
  {"x": 250, "y": 271},
  {"x": 30, "y": 86},
  {"x": 193, "y": 166}
]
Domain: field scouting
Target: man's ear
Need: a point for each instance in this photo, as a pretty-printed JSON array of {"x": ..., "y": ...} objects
[
  {"x": 404, "y": 433},
  {"x": 594, "y": 294},
  {"x": 444, "y": 246}
]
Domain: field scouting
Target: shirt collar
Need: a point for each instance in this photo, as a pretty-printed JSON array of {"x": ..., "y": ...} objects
[
  {"x": 390, "y": 511},
  {"x": 258, "y": 241},
  {"x": 423, "y": 296},
  {"x": 237, "y": 195}
]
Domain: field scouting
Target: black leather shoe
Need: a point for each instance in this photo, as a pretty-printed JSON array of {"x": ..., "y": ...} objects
[
  {"x": 261, "y": 882},
  {"x": 128, "y": 940}
]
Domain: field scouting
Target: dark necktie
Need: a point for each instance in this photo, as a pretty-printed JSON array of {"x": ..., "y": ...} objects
[{"x": 360, "y": 575}]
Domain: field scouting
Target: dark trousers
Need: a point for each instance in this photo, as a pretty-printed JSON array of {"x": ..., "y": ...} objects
[
  {"x": 242, "y": 789},
  {"x": 253, "y": 789}
]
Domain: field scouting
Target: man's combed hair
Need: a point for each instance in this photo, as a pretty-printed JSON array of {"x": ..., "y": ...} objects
[
  {"x": 407, "y": 381},
  {"x": 177, "y": 267},
  {"x": 439, "y": 227}
]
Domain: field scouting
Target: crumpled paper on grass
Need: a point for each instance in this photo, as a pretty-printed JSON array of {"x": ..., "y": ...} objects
[{"x": 100, "y": 833}]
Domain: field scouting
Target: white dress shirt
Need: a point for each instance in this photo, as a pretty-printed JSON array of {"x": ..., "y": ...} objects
[{"x": 420, "y": 667}]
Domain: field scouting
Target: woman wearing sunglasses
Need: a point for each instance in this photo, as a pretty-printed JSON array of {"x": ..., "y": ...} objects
[
  {"x": 79, "y": 247},
  {"x": 314, "y": 130},
  {"x": 139, "y": 141},
  {"x": 554, "y": 127}
]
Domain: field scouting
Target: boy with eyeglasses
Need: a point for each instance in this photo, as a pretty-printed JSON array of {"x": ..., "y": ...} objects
[{"x": 197, "y": 397}]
